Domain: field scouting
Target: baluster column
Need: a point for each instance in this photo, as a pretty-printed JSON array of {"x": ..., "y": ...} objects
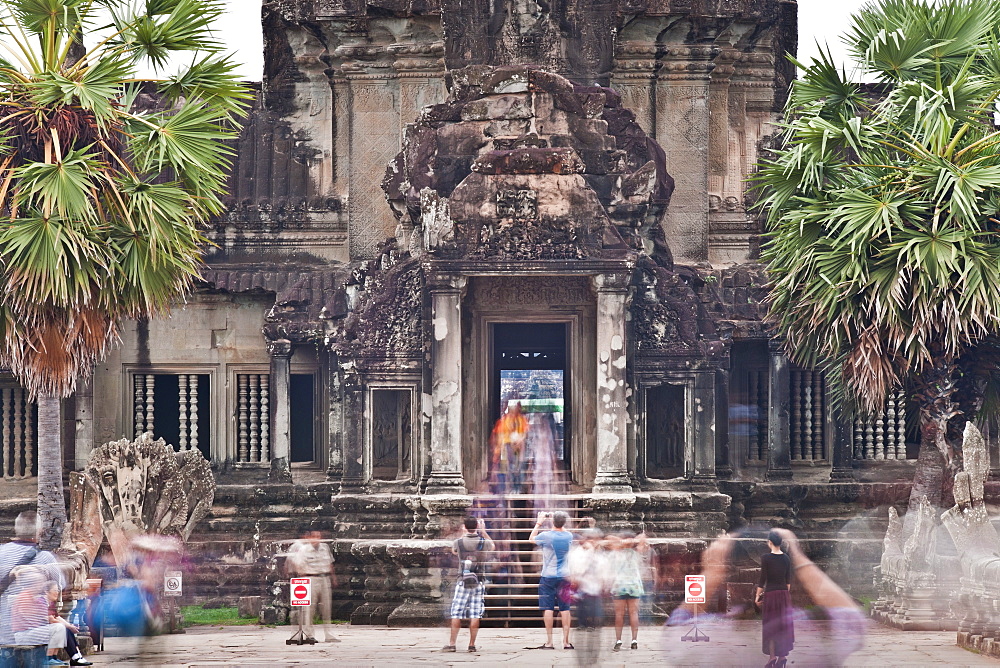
[
  {"x": 139, "y": 420},
  {"x": 182, "y": 409},
  {"x": 819, "y": 417},
  {"x": 265, "y": 418},
  {"x": 150, "y": 401},
  {"x": 242, "y": 416},
  {"x": 193, "y": 412},
  {"x": 760, "y": 396},
  {"x": 5, "y": 432},
  {"x": 30, "y": 440},
  {"x": 796, "y": 415},
  {"x": 254, "y": 417},
  {"x": 900, "y": 424},
  {"x": 18, "y": 433}
]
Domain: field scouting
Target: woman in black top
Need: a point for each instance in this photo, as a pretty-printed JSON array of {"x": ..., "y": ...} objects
[{"x": 776, "y": 602}]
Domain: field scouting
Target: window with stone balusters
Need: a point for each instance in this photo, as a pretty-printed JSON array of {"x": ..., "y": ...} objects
[
  {"x": 18, "y": 433},
  {"x": 176, "y": 407},
  {"x": 889, "y": 434},
  {"x": 253, "y": 418}
]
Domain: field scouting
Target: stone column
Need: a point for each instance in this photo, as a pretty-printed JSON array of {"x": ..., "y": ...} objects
[
  {"x": 705, "y": 428},
  {"x": 779, "y": 456},
  {"x": 682, "y": 129},
  {"x": 335, "y": 464},
  {"x": 352, "y": 433},
  {"x": 612, "y": 416},
  {"x": 723, "y": 457},
  {"x": 843, "y": 449},
  {"x": 446, "y": 385},
  {"x": 633, "y": 77},
  {"x": 280, "y": 351},
  {"x": 84, "y": 441}
]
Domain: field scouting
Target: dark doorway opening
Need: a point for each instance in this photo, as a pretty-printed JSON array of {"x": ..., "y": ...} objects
[
  {"x": 529, "y": 367},
  {"x": 303, "y": 417}
]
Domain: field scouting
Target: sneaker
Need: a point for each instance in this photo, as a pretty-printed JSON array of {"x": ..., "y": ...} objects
[
  {"x": 617, "y": 647},
  {"x": 53, "y": 661},
  {"x": 80, "y": 662},
  {"x": 331, "y": 639},
  {"x": 635, "y": 644}
]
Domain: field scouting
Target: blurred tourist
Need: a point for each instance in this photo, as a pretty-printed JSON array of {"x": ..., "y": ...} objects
[
  {"x": 469, "y": 598},
  {"x": 30, "y": 619},
  {"x": 627, "y": 557},
  {"x": 508, "y": 439},
  {"x": 310, "y": 557},
  {"x": 774, "y": 598},
  {"x": 555, "y": 544},
  {"x": 587, "y": 569},
  {"x": 20, "y": 552}
]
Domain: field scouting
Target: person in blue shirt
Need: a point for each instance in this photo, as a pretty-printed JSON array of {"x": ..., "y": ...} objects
[{"x": 555, "y": 545}]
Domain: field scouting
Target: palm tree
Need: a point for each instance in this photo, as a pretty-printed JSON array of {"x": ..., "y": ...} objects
[
  {"x": 882, "y": 241},
  {"x": 105, "y": 181}
]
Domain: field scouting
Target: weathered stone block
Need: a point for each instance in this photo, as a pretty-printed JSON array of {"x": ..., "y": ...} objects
[
  {"x": 249, "y": 606},
  {"x": 498, "y": 107},
  {"x": 530, "y": 161}
]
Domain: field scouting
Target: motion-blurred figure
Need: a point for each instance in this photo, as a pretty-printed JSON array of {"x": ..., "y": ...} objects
[
  {"x": 29, "y": 617},
  {"x": 541, "y": 451},
  {"x": 555, "y": 544},
  {"x": 20, "y": 552},
  {"x": 847, "y": 624},
  {"x": 310, "y": 557},
  {"x": 508, "y": 439},
  {"x": 626, "y": 556},
  {"x": 587, "y": 568},
  {"x": 469, "y": 598}
]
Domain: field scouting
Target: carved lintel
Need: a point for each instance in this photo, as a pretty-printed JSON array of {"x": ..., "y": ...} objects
[
  {"x": 618, "y": 281},
  {"x": 443, "y": 282}
]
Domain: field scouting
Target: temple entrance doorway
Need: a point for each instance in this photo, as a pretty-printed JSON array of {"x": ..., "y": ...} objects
[
  {"x": 530, "y": 339},
  {"x": 530, "y": 380}
]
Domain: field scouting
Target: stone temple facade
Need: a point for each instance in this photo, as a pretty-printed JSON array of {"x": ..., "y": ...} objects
[{"x": 433, "y": 198}]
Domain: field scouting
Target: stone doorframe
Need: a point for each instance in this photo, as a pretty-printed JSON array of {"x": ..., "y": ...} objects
[{"x": 525, "y": 299}]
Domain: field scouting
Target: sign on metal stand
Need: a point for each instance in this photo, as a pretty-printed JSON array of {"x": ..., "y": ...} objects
[
  {"x": 300, "y": 595},
  {"x": 173, "y": 586},
  {"x": 694, "y": 594}
]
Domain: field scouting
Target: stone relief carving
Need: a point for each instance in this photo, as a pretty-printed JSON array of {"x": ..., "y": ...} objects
[
  {"x": 517, "y": 290},
  {"x": 517, "y": 204}
]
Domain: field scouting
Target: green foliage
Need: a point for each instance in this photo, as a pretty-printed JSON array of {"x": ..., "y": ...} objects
[
  {"x": 196, "y": 615},
  {"x": 881, "y": 204},
  {"x": 102, "y": 200}
]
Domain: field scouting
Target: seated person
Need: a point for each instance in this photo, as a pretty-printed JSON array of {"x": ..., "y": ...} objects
[
  {"x": 72, "y": 648},
  {"x": 30, "y": 617}
]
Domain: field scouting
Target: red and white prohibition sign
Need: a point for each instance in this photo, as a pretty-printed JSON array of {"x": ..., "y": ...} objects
[
  {"x": 301, "y": 591},
  {"x": 694, "y": 588}
]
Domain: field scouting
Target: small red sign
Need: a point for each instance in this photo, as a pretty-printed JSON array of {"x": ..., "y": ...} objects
[
  {"x": 300, "y": 589},
  {"x": 694, "y": 588}
]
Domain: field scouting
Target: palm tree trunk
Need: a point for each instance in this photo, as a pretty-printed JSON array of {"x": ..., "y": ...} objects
[
  {"x": 51, "y": 498},
  {"x": 939, "y": 458}
]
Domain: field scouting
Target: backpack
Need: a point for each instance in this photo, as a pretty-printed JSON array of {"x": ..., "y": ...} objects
[{"x": 471, "y": 576}]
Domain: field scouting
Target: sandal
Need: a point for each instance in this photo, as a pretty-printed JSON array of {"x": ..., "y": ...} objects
[
  {"x": 448, "y": 648},
  {"x": 472, "y": 648},
  {"x": 569, "y": 646}
]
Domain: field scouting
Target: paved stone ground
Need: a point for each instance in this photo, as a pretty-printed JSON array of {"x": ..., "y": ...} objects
[{"x": 732, "y": 644}]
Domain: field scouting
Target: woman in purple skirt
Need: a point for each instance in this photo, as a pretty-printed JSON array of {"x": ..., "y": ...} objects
[{"x": 776, "y": 602}]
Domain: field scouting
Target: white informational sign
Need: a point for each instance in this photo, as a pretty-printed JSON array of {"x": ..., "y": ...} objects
[
  {"x": 173, "y": 583},
  {"x": 301, "y": 591},
  {"x": 694, "y": 588}
]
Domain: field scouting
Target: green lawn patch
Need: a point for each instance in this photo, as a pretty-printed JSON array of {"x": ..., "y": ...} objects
[{"x": 195, "y": 615}]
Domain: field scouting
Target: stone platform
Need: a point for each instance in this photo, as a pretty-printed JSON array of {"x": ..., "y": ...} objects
[{"x": 733, "y": 643}]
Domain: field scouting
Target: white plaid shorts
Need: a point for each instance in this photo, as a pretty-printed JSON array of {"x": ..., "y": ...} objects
[{"x": 468, "y": 603}]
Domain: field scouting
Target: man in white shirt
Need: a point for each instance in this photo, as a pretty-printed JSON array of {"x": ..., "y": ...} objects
[{"x": 310, "y": 557}]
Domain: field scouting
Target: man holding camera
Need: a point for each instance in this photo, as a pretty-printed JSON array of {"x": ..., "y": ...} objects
[
  {"x": 555, "y": 545},
  {"x": 469, "y": 600}
]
